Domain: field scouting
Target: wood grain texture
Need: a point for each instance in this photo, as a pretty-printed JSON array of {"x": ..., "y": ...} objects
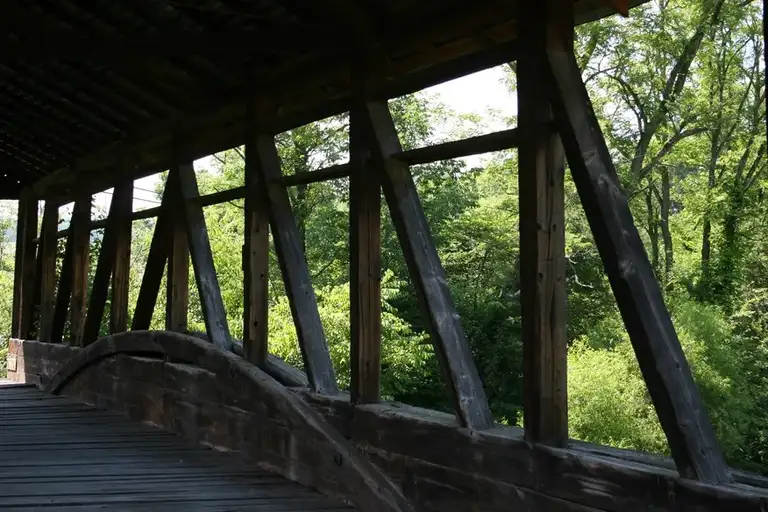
[
  {"x": 314, "y": 444},
  {"x": 427, "y": 273},
  {"x": 60, "y": 454},
  {"x": 81, "y": 247},
  {"x": 542, "y": 242},
  {"x": 442, "y": 466},
  {"x": 47, "y": 270},
  {"x": 678, "y": 403},
  {"x": 24, "y": 268},
  {"x": 293, "y": 266},
  {"x": 177, "y": 278},
  {"x": 214, "y": 314},
  {"x": 63, "y": 292},
  {"x": 121, "y": 272},
  {"x": 364, "y": 261},
  {"x": 490, "y": 470},
  {"x": 496, "y": 141},
  {"x": 106, "y": 262},
  {"x": 159, "y": 249},
  {"x": 255, "y": 264}
]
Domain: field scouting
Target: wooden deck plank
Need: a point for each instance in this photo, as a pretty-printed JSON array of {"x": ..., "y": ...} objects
[{"x": 63, "y": 455}]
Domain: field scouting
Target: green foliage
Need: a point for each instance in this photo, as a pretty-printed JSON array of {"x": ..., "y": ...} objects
[
  {"x": 407, "y": 359},
  {"x": 679, "y": 91},
  {"x": 608, "y": 400}
]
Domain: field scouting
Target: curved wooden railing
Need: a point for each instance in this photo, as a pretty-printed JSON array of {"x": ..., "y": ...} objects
[{"x": 364, "y": 485}]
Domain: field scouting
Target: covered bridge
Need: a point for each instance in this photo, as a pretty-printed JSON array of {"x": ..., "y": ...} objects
[{"x": 98, "y": 94}]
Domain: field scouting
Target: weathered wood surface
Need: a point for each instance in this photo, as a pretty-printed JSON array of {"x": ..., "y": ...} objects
[
  {"x": 46, "y": 270},
  {"x": 427, "y": 272},
  {"x": 214, "y": 314},
  {"x": 118, "y": 311},
  {"x": 445, "y": 467},
  {"x": 542, "y": 241},
  {"x": 106, "y": 263},
  {"x": 439, "y": 465},
  {"x": 293, "y": 266},
  {"x": 63, "y": 292},
  {"x": 364, "y": 260},
  {"x": 81, "y": 247},
  {"x": 286, "y": 434},
  {"x": 24, "y": 268},
  {"x": 447, "y": 44},
  {"x": 496, "y": 141},
  {"x": 255, "y": 265},
  {"x": 676, "y": 398},
  {"x": 177, "y": 275},
  {"x": 158, "y": 255},
  {"x": 332, "y": 172},
  {"x": 61, "y": 454},
  {"x": 101, "y": 278}
]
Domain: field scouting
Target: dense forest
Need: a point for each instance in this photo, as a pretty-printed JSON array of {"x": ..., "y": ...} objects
[{"x": 679, "y": 88}]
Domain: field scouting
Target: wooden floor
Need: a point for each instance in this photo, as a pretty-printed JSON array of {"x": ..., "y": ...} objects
[{"x": 58, "y": 454}]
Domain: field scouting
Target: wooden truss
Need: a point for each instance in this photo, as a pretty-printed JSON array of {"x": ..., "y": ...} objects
[{"x": 556, "y": 122}]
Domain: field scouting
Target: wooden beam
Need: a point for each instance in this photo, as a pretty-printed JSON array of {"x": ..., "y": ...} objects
[
  {"x": 47, "y": 269},
  {"x": 122, "y": 199},
  {"x": 177, "y": 277},
  {"x": 678, "y": 403},
  {"x": 364, "y": 260},
  {"x": 293, "y": 266},
  {"x": 255, "y": 263},
  {"x": 159, "y": 250},
  {"x": 489, "y": 40},
  {"x": 24, "y": 269},
  {"x": 497, "y": 141},
  {"x": 427, "y": 273},
  {"x": 324, "y": 174},
  {"x": 63, "y": 293},
  {"x": 104, "y": 50},
  {"x": 214, "y": 314},
  {"x": 332, "y": 172},
  {"x": 106, "y": 262},
  {"x": 81, "y": 245},
  {"x": 542, "y": 240}
]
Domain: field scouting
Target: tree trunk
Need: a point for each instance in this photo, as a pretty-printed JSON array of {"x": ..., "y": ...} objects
[
  {"x": 653, "y": 232},
  {"x": 706, "y": 236},
  {"x": 301, "y": 213},
  {"x": 665, "y": 232}
]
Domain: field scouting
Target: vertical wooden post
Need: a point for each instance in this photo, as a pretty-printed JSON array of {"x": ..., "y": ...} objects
[
  {"x": 106, "y": 263},
  {"x": 542, "y": 239},
  {"x": 81, "y": 245},
  {"x": 293, "y": 266},
  {"x": 214, "y": 314},
  {"x": 364, "y": 256},
  {"x": 177, "y": 280},
  {"x": 47, "y": 269},
  {"x": 23, "y": 277},
  {"x": 676, "y": 398},
  {"x": 63, "y": 291},
  {"x": 158, "y": 254},
  {"x": 255, "y": 263},
  {"x": 427, "y": 273},
  {"x": 121, "y": 271}
]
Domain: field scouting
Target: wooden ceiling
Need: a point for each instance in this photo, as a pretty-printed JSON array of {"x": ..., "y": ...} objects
[{"x": 93, "y": 89}]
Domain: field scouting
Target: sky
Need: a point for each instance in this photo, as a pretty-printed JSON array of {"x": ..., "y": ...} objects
[{"x": 479, "y": 93}]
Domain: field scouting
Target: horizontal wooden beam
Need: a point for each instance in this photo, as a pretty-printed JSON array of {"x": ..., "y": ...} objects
[
  {"x": 417, "y": 57},
  {"x": 497, "y": 141},
  {"x": 328, "y": 173},
  {"x": 70, "y": 45}
]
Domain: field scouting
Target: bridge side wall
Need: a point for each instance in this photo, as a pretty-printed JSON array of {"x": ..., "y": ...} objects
[{"x": 439, "y": 465}]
